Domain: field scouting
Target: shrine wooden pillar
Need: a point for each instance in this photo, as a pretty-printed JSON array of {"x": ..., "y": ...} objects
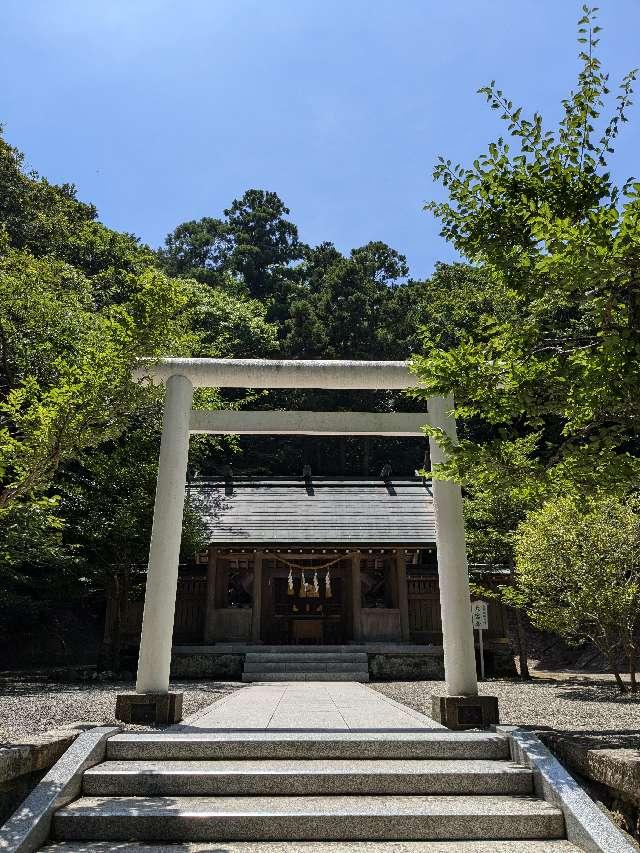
[
  {"x": 210, "y": 609},
  {"x": 356, "y": 595},
  {"x": 256, "y": 612},
  {"x": 403, "y": 598}
]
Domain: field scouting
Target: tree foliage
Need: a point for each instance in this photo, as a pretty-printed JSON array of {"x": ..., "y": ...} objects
[
  {"x": 343, "y": 309},
  {"x": 538, "y": 340},
  {"x": 255, "y": 243},
  {"x": 578, "y": 572},
  {"x": 554, "y": 352},
  {"x": 79, "y": 303}
]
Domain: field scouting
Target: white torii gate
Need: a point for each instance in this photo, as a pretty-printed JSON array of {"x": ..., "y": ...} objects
[{"x": 179, "y": 420}]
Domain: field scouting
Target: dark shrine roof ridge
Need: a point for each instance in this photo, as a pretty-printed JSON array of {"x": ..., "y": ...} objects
[
  {"x": 345, "y": 510},
  {"x": 301, "y": 482}
]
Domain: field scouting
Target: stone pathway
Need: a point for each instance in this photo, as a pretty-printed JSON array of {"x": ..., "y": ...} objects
[{"x": 308, "y": 705}]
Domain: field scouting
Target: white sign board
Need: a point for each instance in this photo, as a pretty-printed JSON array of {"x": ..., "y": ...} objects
[{"x": 480, "y": 615}]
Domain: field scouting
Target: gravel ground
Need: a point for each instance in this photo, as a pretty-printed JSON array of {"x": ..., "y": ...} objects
[
  {"x": 571, "y": 703},
  {"x": 30, "y": 708}
]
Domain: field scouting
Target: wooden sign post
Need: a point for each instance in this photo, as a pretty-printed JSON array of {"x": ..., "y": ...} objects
[{"x": 480, "y": 620}]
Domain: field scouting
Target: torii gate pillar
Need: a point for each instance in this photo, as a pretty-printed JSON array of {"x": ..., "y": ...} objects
[{"x": 164, "y": 551}]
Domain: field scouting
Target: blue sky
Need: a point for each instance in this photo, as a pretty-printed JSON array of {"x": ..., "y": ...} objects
[{"x": 166, "y": 110}]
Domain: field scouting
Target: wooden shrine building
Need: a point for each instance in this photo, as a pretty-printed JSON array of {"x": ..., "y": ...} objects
[
  {"x": 312, "y": 562},
  {"x": 317, "y": 562}
]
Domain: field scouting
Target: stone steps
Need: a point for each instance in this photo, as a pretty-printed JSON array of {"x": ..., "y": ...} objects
[
  {"x": 304, "y": 777},
  {"x": 304, "y": 665},
  {"x": 207, "y": 745},
  {"x": 284, "y": 818},
  {"x": 298, "y": 649},
  {"x": 545, "y": 846},
  {"x": 312, "y": 675},
  {"x": 289, "y": 655},
  {"x": 292, "y": 663},
  {"x": 397, "y": 791}
]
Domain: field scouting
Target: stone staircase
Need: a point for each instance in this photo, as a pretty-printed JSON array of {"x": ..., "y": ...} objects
[
  {"x": 317, "y": 792},
  {"x": 304, "y": 663}
]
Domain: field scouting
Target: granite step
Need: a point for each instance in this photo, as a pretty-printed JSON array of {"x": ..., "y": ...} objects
[
  {"x": 298, "y": 818},
  {"x": 305, "y": 777},
  {"x": 308, "y": 675},
  {"x": 429, "y": 743},
  {"x": 245, "y": 648},
  {"x": 308, "y": 652},
  {"x": 303, "y": 666},
  {"x": 319, "y": 847},
  {"x": 327, "y": 657}
]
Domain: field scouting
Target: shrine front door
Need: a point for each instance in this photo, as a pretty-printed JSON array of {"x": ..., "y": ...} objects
[{"x": 300, "y": 607}]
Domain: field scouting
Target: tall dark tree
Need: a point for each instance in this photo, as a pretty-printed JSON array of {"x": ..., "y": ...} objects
[
  {"x": 198, "y": 249},
  {"x": 265, "y": 243},
  {"x": 255, "y": 243},
  {"x": 341, "y": 312}
]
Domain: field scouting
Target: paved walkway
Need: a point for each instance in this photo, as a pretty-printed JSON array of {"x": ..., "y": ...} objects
[{"x": 308, "y": 705}]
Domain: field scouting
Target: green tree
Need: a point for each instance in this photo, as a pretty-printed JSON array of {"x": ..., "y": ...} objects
[
  {"x": 341, "y": 312},
  {"x": 230, "y": 324},
  {"x": 578, "y": 571},
  {"x": 498, "y": 495},
  {"x": 555, "y": 355},
  {"x": 107, "y": 505},
  {"x": 265, "y": 243},
  {"x": 66, "y": 368},
  {"x": 255, "y": 244},
  {"x": 47, "y": 220},
  {"x": 347, "y": 307},
  {"x": 79, "y": 304},
  {"x": 198, "y": 249}
]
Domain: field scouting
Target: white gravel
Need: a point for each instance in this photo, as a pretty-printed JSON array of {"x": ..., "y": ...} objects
[
  {"x": 32, "y": 708},
  {"x": 571, "y": 703}
]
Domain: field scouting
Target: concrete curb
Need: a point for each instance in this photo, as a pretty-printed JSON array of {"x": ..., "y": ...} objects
[
  {"x": 25, "y": 760},
  {"x": 586, "y": 825},
  {"x": 34, "y": 754},
  {"x": 28, "y": 828}
]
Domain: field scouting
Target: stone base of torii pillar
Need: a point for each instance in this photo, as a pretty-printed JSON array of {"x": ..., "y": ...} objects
[
  {"x": 153, "y": 708},
  {"x": 465, "y": 712}
]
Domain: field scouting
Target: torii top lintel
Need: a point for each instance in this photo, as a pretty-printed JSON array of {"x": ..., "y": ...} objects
[{"x": 283, "y": 373}]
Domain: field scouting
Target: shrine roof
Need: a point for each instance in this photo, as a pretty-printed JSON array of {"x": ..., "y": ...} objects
[{"x": 322, "y": 511}]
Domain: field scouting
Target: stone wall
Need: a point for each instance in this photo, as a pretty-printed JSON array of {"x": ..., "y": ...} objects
[
  {"x": 25, "y": 761},
  {"x": 388, "y": 664},
  {"x": 407, "y": 667},
  {"x": 220, "y": 667},
  {"x": 609, "y": 763}
]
